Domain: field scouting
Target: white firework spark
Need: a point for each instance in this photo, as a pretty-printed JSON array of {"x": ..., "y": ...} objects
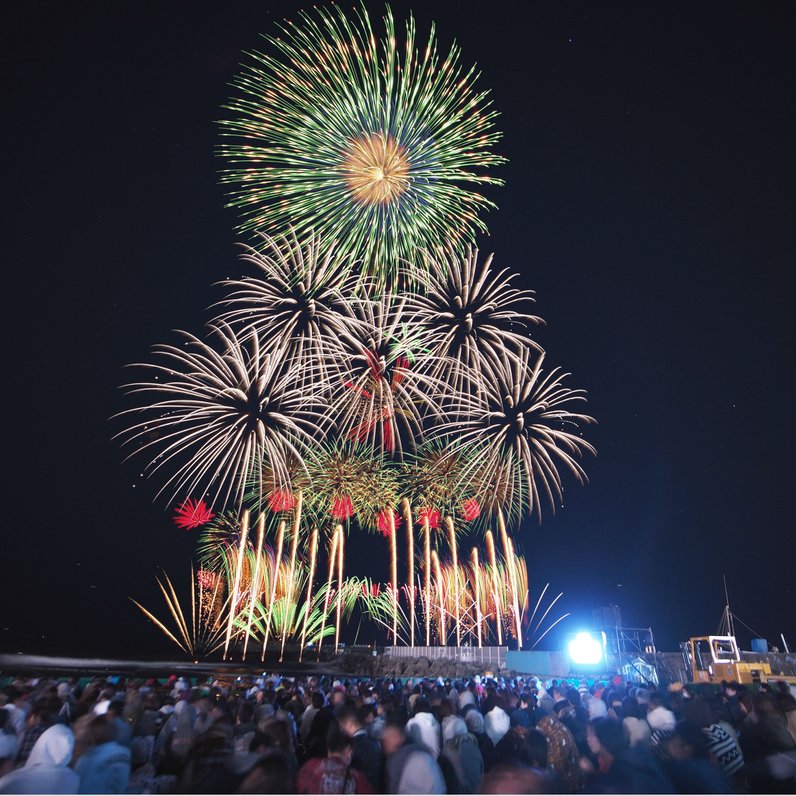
[
  {"x": 470, "y": 317},
  {"x": 522, "y": 436},
  {"x": 298, "y": 303},
  {"x": 218, "y": 414}
]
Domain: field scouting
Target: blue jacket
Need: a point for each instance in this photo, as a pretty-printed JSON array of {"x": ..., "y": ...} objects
[{"x": 104, "y": 769}]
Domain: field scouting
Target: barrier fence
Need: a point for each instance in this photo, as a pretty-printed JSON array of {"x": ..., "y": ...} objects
[{"x": 495, "y": 656}]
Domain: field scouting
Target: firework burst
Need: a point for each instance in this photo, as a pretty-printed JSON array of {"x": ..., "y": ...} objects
[
  {"x": 432, "y": 481},
  {"x": 296, "y": 304},
  {"x": 371, "y": 144},
  {"x": 384, "y": 396},
  {"x": 218, "y": 414},
  {"x": 192, "y": 514},
  {"x": 349, "y": 481},
  {"x": 471, "y": 318},
  {"x": 200, "y": 630},
  {"x": 518, "y": 441},
  {"x": 270, "y": 490}
]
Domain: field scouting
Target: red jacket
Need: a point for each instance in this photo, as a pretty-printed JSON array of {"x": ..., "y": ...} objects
[{"x": 330, "y": 775}]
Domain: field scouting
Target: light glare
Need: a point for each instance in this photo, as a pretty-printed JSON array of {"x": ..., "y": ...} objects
[{"x": 585, "y": 649}]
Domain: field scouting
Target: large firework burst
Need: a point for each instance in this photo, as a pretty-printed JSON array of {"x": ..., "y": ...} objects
[
  {"x": 518, "y": 441},
  {"x": 383, "y": 396},
  {"x": 369, "y": 145},
  {"x": 217, "y": 413},
  {"x": 298, "y": 303},
  {"x": 470, "y": 317}
]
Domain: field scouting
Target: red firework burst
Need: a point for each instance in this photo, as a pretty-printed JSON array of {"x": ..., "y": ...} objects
[
  {"x": 470, "y": 509},
  {"x": 433, "y": 516},
  {"x": 192, "y": 514},
  {"x": 281, "y": 500},
  {"x": 383, "y": 521},
  {"x": 342, "y": 508}
]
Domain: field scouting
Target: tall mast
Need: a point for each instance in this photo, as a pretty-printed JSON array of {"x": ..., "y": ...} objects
[{"x": 727, "y": 620}]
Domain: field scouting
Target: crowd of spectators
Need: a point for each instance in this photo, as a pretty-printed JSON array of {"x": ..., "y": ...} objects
[{"x": 355, "y": 735}]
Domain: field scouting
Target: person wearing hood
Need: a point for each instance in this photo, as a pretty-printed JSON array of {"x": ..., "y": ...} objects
[
  {"x": 662, "y": 722},
  {"x": 467, "y": 700},
  {"x": 105, "y": 765},
  {"x": 453, "y": 698},
  {"x": 409, "y": 767},
  {"x": 47, "y": 767},
  {"x": 9, "y": 743},
  {"x": 460, "y": 758},
  {"x": 176, "y": 737},
  {"x": 474, "y": 720},
  {"x": 496, "y": 720},
  {"x": 180, "y": 687},
  {"x": 634, "y": 723},
  {"x": 423, "y": 728}
]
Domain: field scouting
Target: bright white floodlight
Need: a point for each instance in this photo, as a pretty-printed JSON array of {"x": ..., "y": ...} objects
[{"x": 585, "y": 649}]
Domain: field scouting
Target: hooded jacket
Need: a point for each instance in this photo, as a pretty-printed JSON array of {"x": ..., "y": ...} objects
[
  {"x": 496, "y": 723},
  {"x": 413, "y": 770},
  {"x": 423, "y": 729},
  {"x": 460, "y": 759},
  {"x": 47, "y": 768},
  {"x": 104, "y": 769}
]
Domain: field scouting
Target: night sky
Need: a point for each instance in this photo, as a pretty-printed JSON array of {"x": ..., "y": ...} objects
[{"x": 649, "y": 202}]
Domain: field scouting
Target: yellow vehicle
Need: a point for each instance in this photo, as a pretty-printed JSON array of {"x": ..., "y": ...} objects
[{"x": 712, "y": 659}]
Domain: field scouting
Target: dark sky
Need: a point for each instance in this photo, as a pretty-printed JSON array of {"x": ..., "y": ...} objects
[{"x": 649, "y": 203}]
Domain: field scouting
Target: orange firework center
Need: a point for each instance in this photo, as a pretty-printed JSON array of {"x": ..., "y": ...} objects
[{"x": 376, "y": 169}]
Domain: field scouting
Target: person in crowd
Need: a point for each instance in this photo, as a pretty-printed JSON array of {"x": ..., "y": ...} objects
[
  {"x": 423, "y": 728},
  {"x": 46, "y": 769},
  {"x": 270, "y": 774},
  {"x": 39, "y": 719},
  {"x": 522, "y": 715},
  {"x": 521, "y": 764},
  {"x": 409, "y": 766},
  {"x": 662, "y": 722},
  {"x": 786, "y": 703},
  {"x": 105, "y": 766},
  {"x": 634, "y": 723},
  {"x": 316, "y": 702},
  {"x": 573, "y": 719},
  {"x": 613, "y": 767},
  {"x": 366, "y": 750},
  {"x": 689, "y": 765},
  {"x": 176, "y": 738},
  {"x": 243, "y": 731},
  {"x": 496, "y": 719},
  {"x": 474, "y": 720},
  {"x": 460, "y": 758},
  {"x": 563, "y": 757},
  {"x": 9, "y": 743},
  {"x": 335, "y": 772},
  {"x": 722, "y": 745},
  {"x": 122, "y": 730}
]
